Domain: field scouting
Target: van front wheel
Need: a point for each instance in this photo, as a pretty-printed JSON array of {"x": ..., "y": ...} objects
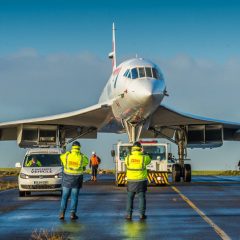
[{"x": 22, "y": 193}]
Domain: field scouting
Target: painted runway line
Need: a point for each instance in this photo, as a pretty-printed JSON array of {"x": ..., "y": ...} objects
[{"x": 216, "y": 228}]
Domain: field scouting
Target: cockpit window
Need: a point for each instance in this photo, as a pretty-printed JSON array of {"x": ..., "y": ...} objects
[
  {"x": 148, "y": 71},
  {"x": 134, "y": 73},
  {"x": 141, "y": 72},
  {"x": 126, "y": 73},
  {"x": 155, "y": 73}
]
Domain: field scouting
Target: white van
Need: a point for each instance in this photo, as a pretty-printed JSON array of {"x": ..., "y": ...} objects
[{"x": 45, "y": 176}]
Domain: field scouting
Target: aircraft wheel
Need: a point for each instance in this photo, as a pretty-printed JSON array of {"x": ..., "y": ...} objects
[
  {"x": 187, "y": 173},
  {"x": 22, "y": 193},
  {"x": 120, "y": 185},
  {"x": 176, "y": 173}
]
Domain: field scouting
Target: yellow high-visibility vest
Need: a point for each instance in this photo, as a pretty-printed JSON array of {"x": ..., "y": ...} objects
[
  {"x": 74, "y": 161},
  {"x": 136, "y": 166}
]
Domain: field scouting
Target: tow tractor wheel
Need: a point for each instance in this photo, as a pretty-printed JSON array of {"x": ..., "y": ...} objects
[
  {"x": 187, "y": 176},
  {"x": 176, "y": 173}
]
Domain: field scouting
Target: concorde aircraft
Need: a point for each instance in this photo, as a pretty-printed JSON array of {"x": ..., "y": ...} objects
[{"x": 130, "y": 103}]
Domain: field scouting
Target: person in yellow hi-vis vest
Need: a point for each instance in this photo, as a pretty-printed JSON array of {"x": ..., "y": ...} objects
[
  {"x": 136, "y": 164},
  {"x": 34, "y": 162},
  {"x": 74, "y": 163}
]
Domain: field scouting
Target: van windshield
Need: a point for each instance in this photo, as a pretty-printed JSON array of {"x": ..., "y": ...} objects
[{"x": 42, "y": 160}]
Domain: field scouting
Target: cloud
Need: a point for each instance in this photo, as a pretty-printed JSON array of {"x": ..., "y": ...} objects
[
  {"x": 35, "y": 85},
  {"x": 203, "y": 87},
  {"x": 24, "y": 53}
]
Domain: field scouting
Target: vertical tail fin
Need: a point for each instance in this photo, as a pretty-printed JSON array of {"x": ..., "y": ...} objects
[{"x": 112, "y": 54}]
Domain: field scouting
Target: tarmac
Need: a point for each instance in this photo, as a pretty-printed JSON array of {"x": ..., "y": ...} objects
[{"x": 206, "y": 208}]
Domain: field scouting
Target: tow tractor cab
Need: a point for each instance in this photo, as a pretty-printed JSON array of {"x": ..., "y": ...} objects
[
  {"x": 45, "y": 175},
  {"x": 157, "y": 169}
]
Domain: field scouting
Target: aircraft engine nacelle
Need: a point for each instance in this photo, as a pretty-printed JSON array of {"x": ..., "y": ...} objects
[
  {"x": 37, "y": 135},
  {"x": 204, "y": 136}
]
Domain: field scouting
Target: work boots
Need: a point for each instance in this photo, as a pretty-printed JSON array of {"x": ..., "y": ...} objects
[
  {"x": 128, "y": 217},
  {"x": 73, "y": 216},
  {"x": 61, "y": 216},
  {"x": 143, "y": 217}
]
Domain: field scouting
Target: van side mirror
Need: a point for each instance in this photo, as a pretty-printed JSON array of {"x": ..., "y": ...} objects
[
  {"x": 18, "y": 165},
  {"x": 113, "y": 153}
]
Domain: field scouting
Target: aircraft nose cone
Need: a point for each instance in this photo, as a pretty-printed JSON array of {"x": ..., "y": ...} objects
[{"x": 144, "y": 91}]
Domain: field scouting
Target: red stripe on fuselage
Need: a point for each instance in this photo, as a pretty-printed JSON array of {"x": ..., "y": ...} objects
[{"x": 116, "y": 71}]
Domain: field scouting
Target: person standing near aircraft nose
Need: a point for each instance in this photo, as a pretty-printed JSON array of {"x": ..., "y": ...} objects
[
  {"x": 94, "y": 162},
  {"x": 136, "y": 164},
  {"x": 74, "y": 163}
]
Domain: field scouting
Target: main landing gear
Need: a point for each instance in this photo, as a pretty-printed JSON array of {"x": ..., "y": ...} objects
[
  {"x": 179, "y": 172},
  {"x": 180, "y": 169}
]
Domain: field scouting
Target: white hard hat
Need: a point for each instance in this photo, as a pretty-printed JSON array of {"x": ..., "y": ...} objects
[{"x": 93, "y": 153}]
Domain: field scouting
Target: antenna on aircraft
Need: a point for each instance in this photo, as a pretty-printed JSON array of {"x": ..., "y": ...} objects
[{"x": 112, "y": 55}]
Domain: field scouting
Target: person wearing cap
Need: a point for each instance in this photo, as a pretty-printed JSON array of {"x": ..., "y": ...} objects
[
  {"x": 94, "y": 162},
  {"x": 136, "y": 164},
  {"x": 74, "y": 163}
]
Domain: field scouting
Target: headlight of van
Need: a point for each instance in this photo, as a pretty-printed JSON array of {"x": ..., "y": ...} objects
[
  {"x": 23, "y": 175},
  {"x": 59, "y": 175}
]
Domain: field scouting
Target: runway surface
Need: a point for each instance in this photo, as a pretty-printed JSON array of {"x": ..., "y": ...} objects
[{"x": 207, "y": 208}]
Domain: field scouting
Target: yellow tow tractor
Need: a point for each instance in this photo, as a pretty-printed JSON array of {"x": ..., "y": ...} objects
[{"x": 157, "y": 169}]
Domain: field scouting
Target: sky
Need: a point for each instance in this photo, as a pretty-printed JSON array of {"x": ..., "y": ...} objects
[{"x": 53, "y": 59}]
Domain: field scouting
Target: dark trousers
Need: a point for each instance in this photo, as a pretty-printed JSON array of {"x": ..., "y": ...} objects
[
  {"x": 142, "y": 202},
  {"x": 94, "y": 171}
]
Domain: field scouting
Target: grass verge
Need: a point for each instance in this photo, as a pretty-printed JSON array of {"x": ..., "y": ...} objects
[
  {"x": 44, "y": 234},
  {"x": 9, "y": 172},
  {"x": 101, "y": 171},
  {"x": 217, "y": 173},
  {"x": 8, "y": 185}
]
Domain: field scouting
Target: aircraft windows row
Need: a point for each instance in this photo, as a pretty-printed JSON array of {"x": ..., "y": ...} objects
[{"x": 142, "y": 72}]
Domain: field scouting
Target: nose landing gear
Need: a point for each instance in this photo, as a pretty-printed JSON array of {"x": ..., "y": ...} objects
[{"x": 133, "y": 130}]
